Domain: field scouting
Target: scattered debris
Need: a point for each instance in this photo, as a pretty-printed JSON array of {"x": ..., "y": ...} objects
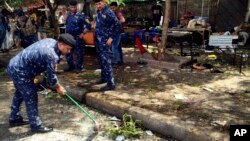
[
  {"x": 114, "y": 118},
  {"x": 219, "y": 123},
  {"x": 120, "y": 138},
  {"x": 199, "y": 66},
  {"x": 208, "y": 89},
  {"x": 180, "y": 97},
  {"x": 97, "y": 71},
  {"x": 127, "y": 68},
  {"x": 212, "y": 57},
  {"x": 149, "y": 132}
]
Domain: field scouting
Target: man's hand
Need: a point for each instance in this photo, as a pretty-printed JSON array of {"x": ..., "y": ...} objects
[
  {"x": 109, "y": 41},
  {"x": 61, "y": 90}
]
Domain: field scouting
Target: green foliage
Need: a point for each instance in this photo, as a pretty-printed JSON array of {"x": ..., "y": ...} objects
[
  {"x": 16, "y": 3},
  {"x": 129, "y": 128},
  {"x": 119, "y": 2}
]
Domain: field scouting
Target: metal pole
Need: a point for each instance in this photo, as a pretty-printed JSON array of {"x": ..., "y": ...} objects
[
  {"x": 209, "y": 3},
  {"x": 177, "y": 10},
  {"x": 202, "y": 7},
  {"x": 248, "y": 12}
]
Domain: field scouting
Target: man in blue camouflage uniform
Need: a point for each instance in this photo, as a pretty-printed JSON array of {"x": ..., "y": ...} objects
[
  {"x": 116, "y": 45},
  {"x": 75, "y": 23},
  {"x": 35, "y": 59},
  {"x": 107, "y": 28}
]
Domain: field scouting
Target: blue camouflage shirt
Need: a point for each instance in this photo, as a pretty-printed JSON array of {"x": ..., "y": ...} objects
[
  {"x": 107, "y": 25},
  {"x": 35, "y": 59},
  {"x": 75, "y": 23}
]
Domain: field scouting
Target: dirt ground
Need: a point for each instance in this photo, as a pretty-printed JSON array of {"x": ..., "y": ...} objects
[
  {"x": 69, "y": 124},
  {"x": 199, "y": 97}
]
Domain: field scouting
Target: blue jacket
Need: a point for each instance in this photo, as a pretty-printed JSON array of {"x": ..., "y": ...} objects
[
  {"x": 107, "y": 25},
  {"x": 76, "y": 23},
  {"x": 35, "y": 59}
]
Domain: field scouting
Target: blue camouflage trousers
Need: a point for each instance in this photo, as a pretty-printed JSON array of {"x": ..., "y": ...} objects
[
  {"x": 79, "y": 50},
  {"x": 117, "y": 51},
  {"x": 103, "y": 53},
  {"x": 26, "y": 92},
  {"x": 2, "y": 34}
]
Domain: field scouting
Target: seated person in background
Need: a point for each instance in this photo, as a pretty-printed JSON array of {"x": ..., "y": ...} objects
[
  {"x": 198, "y": 23},
  {"x": 186, "y": 18},
  {"x": 243, "y": 30}
]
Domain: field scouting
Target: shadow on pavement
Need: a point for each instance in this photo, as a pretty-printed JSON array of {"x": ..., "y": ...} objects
[{"x": 14, "y": 133}]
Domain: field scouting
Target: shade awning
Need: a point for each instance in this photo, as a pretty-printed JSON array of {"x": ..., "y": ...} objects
[
  {"x": 144, "y": 1},
  {"x": 36, "y": 4},
  {"x": 136, "y": 1}
]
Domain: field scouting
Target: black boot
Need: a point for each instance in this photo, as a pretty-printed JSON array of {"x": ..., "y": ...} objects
[
  {"x": 18, "y": 122},
  {"x": 42, "y": 129}
]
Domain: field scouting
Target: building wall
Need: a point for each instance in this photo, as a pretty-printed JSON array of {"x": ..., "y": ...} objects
[
  {"x": 231, "y": 13},
  {"x": 197, "y": 7},
  {"x": 224, "y": 14},
  {"x": 143, "y": 10}
]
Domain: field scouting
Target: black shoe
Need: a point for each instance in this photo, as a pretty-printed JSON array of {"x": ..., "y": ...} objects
[
  {"x": 107, "y": 88},
  {"x": 18, "y": 123},
  {"x": 100, "y": 81},
  {"x": 42, "y": 129},
  {"x": 69, "y": 69}
]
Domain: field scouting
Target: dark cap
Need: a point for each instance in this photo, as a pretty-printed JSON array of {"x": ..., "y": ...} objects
[
  {"x": 67, "y": 39},
  {"x": 114, "y": 4},
  {"x": 73, "y": 2},
  {"x": 97, "y": 1},
  {"x": 20, "y": 13}
]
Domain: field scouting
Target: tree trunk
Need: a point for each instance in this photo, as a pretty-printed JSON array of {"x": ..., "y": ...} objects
[
  {"x": 54, "y": 22},
  {"x": 164, "y": 31}
]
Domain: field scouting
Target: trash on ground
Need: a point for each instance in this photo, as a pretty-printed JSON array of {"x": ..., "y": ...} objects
[
  {"x": 114, "y": 118},
  {"x": 97, "y": 71},
  {"x": 120, "y": 138},
  {"x": 219, "y": 123},
  {"x": 180, "y": 97},
  {"x": 149, "y": 132},
  {"x": 207, "y": 89}
]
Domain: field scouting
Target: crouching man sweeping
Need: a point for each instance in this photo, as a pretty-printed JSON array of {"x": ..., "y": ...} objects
[{"x": 42, "y": 56}]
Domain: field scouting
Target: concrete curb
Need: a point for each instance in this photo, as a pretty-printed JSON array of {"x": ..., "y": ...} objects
[{"x": 165, "y": 125}]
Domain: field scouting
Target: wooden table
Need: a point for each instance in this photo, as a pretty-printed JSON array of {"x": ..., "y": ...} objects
[{"x": 201, "y": 31}]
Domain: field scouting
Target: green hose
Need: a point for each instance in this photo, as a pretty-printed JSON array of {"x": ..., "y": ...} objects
[{"x": 80, "y": 107}]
